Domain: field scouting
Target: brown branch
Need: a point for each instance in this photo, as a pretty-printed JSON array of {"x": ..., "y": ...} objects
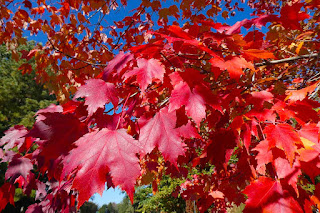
[
  {"x": 129, "y": 26},
  {"x": 70, "y": 56},
  {"x": 314, "y": 55}
]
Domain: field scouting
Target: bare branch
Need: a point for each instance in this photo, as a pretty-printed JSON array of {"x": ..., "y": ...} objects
[
  {"x": 129, "y": 26},
  {"x": 314, "y": 55},
  {"x": 70, "y": 56}
]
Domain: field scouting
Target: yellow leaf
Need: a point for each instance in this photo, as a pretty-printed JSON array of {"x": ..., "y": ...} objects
[
  {"x": 299, "y": 47},
  {"x": 306, "y": 143}
]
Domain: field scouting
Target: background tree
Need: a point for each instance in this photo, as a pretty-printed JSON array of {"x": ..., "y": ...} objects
[
  {"x": 189, "y": 93},
  {"x": 112, "y": 208},
  {"x": 103, "y": 209},
  {"x": 20, "y": 95},
  {"x": 89, "y": 207},
  {"x": 165, "y": 199},
  {"x": 125, "y": 206},
  {"x": 20, "y": 98}
]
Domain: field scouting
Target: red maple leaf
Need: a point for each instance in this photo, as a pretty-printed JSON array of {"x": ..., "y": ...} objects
[
  {"x": 224, "y": 141},
  {"x": 18, "y": 166},
  {"x": 283, "y": 137},
  {"x": 99, "y": 153},
  {"x": 291, "y": 16},
  {"x": 146, "y": 71},
  {"x": 58, "y": 132},
  {"x": 310, "y": 131},
  {"x": 13, "y": 137},
  {"x": 264, "y": 156},
  {"x": 284, "y": 170},
  {"x": 97, "y": 93},
  {"x": 160, "y": 132},
  {"x": 192, "y": 100},
  {"x": 117, "y": 63},
  {"x": 7, "y": 191},
  {"x": 234, "y": 66},
  {"x": 267, "y": 195},
  {"x": 295, "y": 95}
]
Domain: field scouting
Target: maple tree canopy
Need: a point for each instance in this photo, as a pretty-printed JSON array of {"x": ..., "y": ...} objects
[{"x": 168, "y": 89}]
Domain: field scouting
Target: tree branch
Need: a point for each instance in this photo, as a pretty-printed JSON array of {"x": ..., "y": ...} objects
[
  {"x": 314, "y": 55},
  {"x": 70, "y": 56},
  {"x": 129, "y": 26}
]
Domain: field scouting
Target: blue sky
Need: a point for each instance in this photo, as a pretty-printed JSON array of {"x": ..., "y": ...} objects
[{"x": 108, "y": 196}]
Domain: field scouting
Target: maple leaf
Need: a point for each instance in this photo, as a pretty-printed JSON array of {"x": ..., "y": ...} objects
[
  {"x": 310, "y": 131},
  {"x": 192, "y": 100},
  {"x": 97, "y": 93},
  {"x": 160, "y": 132},
  {"x": 13, "y": 137},
  {"x": 295, "y": 95},
  {"x": 252, "y": 54},
  {"x": 284, "y": 170},
  {"x": 284, "y": 137},
  {"x": 117, "y": 63},
  {"x": 99, "y": 153},
  {"x": 147, "y": 70},
  {"x": 264, "y": 156},
  {"x": 234, "y": 65},
  {"x": 236, "y": 28},
  {"x": 58, "y": 132},
  {"x": 179, "y": 32},
  {"x": 18, "y": 166},
  {"x": 291, "y": 16},
  {"x": 7, "y": 191},
  {"x": 51, "y": 108},
  {"x": 188, "y": 131},
  {"x": 224, "y": 141},
  {"x": 267, "y": 195},
  {"x": 258, "y": 98}
]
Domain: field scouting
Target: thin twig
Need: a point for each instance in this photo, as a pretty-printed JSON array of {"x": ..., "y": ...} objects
[
  {"x": 129, "y": 26},
  {"x": 70, "y": 56},
  {"x": 314, "y": 55}
]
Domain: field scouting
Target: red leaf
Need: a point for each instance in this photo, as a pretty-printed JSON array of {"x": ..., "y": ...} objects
[
  {"x": 295, "y": 95},
  {"x": 259, "y": 22},
  {"x": 6, "y": 195},
  {"x": 179, "y": 32},
  {"x": 310, "y": 131},
  {"x": 13, "y": 137},
  {"x": 252, "y": 54},
  {"x": 192, "y": 100},
  {"x": 224, "y": 141},
  {"x": 18, "y": 166},
  {"x": 160, "y": 132},
  {"x": 291, "y": 16},
  {"x": 284, "y": 137},
  {"x": 146, "y": 71},
  {"x": 264, "y": 157},
  {"x": 117, "y": 63},
  {"x": 290, "y": 174},
  {"x": 58, "y": 132},
  {"x": 235, "y": 66},
  {"x": 96, "y": 154},
  {"x": 258, "y": 98},
  {"x": 97, "y": 93},
  {"x": 267, "y": 195}
]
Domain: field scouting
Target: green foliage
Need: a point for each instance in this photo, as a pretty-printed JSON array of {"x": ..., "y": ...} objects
[
  {"x": 125, "y": 206},
  {"x": 103, "y": 209},
  {"x": 20, "y": 95},
  {"x": 162, "y": 201},
  {"x": 20, "y": 98},
  {"x": 89, "y": 207}
]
